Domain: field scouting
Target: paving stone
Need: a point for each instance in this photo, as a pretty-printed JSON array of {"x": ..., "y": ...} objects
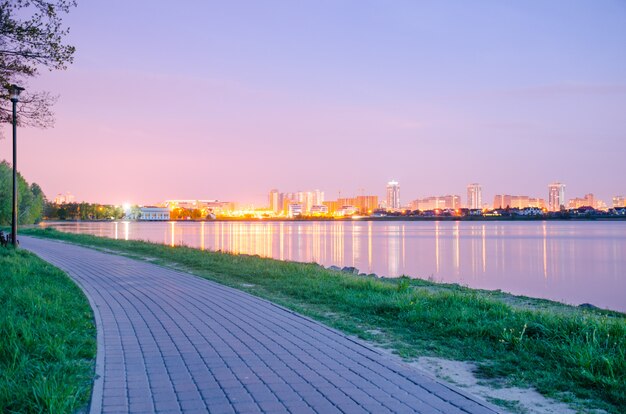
[
  {"x": 192, "y": 405},
  {"x": 172, "y": 342}
]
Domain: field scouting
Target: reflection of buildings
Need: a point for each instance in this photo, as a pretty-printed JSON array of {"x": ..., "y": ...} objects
[
  {"x": 556, "y": 196},
  {"x": 474, "y": 196},
  {"x": 393, "y": 195},
  {"x": 393, "y": 249},
  {"x": 436, "y": 202},
  {"x": 517, "y": 201}
]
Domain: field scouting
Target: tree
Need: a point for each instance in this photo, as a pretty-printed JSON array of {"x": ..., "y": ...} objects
[
  {"x": 31, "y": 37},
  {"x": 31, "y": 199}
]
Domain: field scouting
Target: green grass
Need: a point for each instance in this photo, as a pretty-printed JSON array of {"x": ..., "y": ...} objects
[
  {"x": 574, "y": 355},
  {"x": 47, "y": 337}
]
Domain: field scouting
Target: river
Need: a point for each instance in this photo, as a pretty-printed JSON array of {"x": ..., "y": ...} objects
[{"x": 571, "y": 262}]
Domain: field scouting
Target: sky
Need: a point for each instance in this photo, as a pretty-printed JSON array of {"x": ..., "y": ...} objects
[{"x": 227, "y": 100}]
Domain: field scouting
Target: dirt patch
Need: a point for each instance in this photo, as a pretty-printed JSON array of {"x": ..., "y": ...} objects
[{"x": 516, "y": 400}]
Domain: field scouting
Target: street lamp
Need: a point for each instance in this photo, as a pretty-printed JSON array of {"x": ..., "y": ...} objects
[{"x": 15, "y": 91}]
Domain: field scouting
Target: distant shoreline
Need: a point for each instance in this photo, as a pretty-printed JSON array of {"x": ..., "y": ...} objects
[{"x": 316, "y": 219}]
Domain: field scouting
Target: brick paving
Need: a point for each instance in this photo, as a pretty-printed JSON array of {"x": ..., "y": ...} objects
[{"x": 170, "y": 342}]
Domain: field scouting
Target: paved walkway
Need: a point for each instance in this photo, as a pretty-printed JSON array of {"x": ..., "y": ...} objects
[{"x": 171, "y": 342}]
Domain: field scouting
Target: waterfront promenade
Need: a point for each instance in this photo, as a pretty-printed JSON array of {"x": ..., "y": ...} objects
[{"x": 171, "y": 342}]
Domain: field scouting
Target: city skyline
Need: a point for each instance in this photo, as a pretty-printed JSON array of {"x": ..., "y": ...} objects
[
  {"x": 333, "y": 96},
  {"x": 279, "y": 201}
]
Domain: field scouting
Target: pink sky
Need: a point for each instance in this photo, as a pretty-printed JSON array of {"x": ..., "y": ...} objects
[{"x": 217, "y": 101}]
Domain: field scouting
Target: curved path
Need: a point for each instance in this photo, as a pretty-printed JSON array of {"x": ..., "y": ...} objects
[{"x": 171, "y": 342}]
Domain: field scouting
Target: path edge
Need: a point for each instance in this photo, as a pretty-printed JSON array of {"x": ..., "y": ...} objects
[{"x": 95, "y": 401}]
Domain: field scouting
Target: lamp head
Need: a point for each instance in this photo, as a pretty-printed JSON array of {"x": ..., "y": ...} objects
[{"x": 15, "y": 91}]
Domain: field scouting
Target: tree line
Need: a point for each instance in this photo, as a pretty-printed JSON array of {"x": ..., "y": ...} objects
[
  {"x": 82, "y": 211},
  {"x": 32, "y": 201}
]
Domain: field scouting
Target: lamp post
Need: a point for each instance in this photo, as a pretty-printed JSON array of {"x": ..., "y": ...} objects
[{"x": 15, "y": 97}]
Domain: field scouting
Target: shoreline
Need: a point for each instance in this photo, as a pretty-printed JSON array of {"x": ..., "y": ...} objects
[
  {"x": 348, "y": 271},
  {"x": 583, "y": 301},
  {"x": 314, "y": 219}
]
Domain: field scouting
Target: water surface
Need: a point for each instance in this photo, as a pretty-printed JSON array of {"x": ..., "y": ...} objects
[{"x": 572, "y": 262}]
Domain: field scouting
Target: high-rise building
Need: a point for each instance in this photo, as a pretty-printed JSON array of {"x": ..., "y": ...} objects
[
  {"x": 556, "y": 196},
  {"x": 366, "y": 203},
  {"x": 393, "y": 195},
  {"x": 308, "y": 199},
  {"x": 276, "y": 204},
  {"x": 332, "y": 206},
  {"x": 474, "y": 196},
  {"x": 279, "y": 202},
  {"x": 318, "y": 197},
  {"x": 619, "y": 201}
]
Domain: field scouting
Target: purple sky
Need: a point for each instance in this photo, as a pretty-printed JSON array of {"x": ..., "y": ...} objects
[{"x": 229, "y": 99}]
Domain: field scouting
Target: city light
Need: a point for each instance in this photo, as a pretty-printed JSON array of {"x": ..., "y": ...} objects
[{"x": 304, "y": 205}]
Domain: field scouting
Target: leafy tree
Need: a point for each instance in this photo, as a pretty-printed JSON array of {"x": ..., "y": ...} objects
[
  {"x": 81, "y": 211},
  {"x": 30, "y": 197},
  {"x": 39, "y": 202},
  {"x": 31, "y": 37}
]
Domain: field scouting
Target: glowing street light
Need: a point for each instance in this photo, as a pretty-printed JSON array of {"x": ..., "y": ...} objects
[{"x": 14, "y": 91}]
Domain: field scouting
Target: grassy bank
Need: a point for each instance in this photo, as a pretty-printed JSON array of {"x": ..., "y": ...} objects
[
  {"x": 47, "y": 337},
  {"x": 571, "y": 354}
]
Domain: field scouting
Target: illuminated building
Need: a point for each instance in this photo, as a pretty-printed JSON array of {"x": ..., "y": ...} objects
[
  {"x": 286, "y": 201},
  {"x": 332, "y": 206},
  {"x": 319, "y": 210},
  {"x": 363, "y": 204},
  {"x": 393, "y": 195},
  {"x": 587, "y": 201},
  {"x": 348, "y": 211},
  {"x": 220, "y": 206},
  {"x": 517, "y": 201},
  {"x": 215, "y": 206},
  {"x": 318, "y": 197},
  {"x": 474, "y": 196},
  {"x": 307, "y": 199},
  {"x": 556, "y": 196},
  {"x": 366, "y": 203},
  {"x": 436, "y": 202},
  {"x": 295, "y": 209},
  {"x": 619, "y": 201},
  {"x": 275, "y": 201},
  {"x": 601, "y": 205},
  {"x": 150, "y": 213},
  {"x": 188, "y": 204}
]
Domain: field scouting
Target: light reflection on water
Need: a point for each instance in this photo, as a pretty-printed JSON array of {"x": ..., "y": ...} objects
[{"x": 573, "y": 262}]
